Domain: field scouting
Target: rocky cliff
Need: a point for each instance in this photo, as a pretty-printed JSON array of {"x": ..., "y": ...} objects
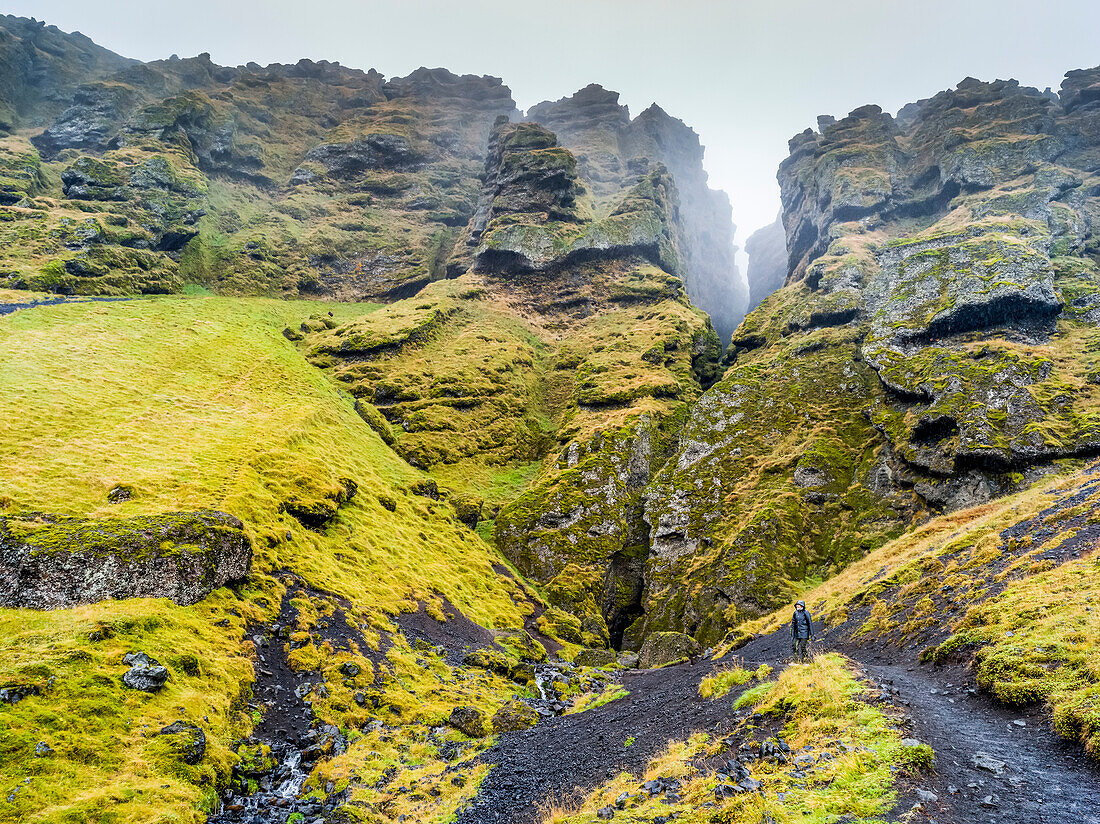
[
  {"x": 925, "y": 354},
  {"x": 47, "y": 562},
  {"x": 767, "y": 270},
  {"x": 42, "y": 68},
  {"x": 558, "y": 264},
  {"x": 614, "y": 150},
  {"x": 564, "y": 358},
  {"x": 486, "y": 433}
]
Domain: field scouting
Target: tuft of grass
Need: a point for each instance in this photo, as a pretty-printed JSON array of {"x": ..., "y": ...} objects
[
  {"x": 753, "y": 696},
  {"x": 717, "y": 685},
  {"x": 857, "y": 758}
]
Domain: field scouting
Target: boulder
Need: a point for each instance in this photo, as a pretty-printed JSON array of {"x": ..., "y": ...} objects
[
  {"x": 52, "y": 561},
  {"x": 665, "y": 647},
  {"x": 468, "y": 721},
  {"x": 186, "y": 741},
  {"x": 145, "y": 673},
  {"x": 467, "y": 509},
  {"x": 596, "y": 658},
  {"x": 515, "y": 715}
]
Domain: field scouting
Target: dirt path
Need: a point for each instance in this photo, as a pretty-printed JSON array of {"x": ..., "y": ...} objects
[
  {"x": 1030, "y": 775},
  {"x": 1044, "y": 780}
]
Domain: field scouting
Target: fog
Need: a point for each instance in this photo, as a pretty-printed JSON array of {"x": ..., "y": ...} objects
[{"x": 746, "y": 75}]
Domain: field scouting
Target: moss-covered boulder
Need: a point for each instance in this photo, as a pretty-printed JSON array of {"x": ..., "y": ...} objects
[
  {"x": 514, "y": 716},
  {"x": 254, "y": 760},
  {"x": 662, "y": 648},
  {"x": 50, "y": 561},
  {"x": 595, "y": 658},
  {"x": 184, "y": 741},
  {"x": 468, "y": 721}
]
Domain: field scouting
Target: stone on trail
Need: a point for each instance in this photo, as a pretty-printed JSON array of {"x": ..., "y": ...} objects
[
  {"x": 665, "y": 647},
  {"x": 985, "y": 761}
]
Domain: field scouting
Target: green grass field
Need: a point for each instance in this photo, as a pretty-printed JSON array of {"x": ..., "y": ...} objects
[{"x": 194, "y": 403}]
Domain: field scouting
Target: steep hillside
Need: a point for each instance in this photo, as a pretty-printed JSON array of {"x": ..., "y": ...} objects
[
  {"x": 563, "y": 362},
  {"x": 209, "y": 408},
  {"x": 932, "y": 349}
]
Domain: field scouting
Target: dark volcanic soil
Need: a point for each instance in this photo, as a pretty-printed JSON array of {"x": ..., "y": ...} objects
[
  {"x": 559, "y": 755},
  {"x": 1044, "y": 780}
]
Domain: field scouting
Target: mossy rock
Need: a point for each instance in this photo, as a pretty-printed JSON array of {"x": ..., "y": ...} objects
[
  {"x": 467, "y": 508},
  {"x": 49, "y": 561},
  {"x": 596, "y": 658},
  {"x": 255, "y": 760},
  {"x": 515, "y": 716},
  {"x": 311, "y": 512},
  {"x": 376, "y": 421},
  {"x": 523, "y": 646},
  {"x": 468, "y": 720},
  {"x": 662, "y": 648},
  {"x": 557, "y": 623},
  {"x": 185, "y": 741}
]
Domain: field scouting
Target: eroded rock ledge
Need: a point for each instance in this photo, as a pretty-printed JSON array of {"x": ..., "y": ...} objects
[{"x": 53, "y": 561}]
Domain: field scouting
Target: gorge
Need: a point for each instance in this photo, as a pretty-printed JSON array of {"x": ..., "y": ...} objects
[{"x": 377, "y": 451}]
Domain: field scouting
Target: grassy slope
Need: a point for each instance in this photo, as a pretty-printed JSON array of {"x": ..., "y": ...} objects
[
  {"x": 1011, "y": 585},
  {"x": 195, "y": 403}
]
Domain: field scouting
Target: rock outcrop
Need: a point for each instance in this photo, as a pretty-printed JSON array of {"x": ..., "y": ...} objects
[
  {"x": 614, "y": 151},
  {"x": 41, "y": 66},
  {"x": 48, "y": 562},
  {"x": 921, "y": 358},
  {"x": 767, "y": 270},
  {"x": 535, "y": 214}
]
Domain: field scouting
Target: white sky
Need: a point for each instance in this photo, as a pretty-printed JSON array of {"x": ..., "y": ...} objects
[{"x": 745, "y": 74}]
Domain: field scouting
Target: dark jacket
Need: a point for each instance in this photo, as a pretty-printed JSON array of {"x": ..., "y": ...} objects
[{"x": 801, "y": 624}]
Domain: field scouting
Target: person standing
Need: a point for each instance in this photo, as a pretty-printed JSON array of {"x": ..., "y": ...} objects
[{"x": 802, "y": 631}]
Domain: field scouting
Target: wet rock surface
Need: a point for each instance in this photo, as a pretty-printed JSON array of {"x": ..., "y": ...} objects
[{"x": 275, "y": 761}]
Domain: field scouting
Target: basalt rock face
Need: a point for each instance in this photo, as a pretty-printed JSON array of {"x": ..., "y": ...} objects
[
  {"x": 563, "y": 346},
  {"x": 48, "y": 562},
  {"x": 614, "y": 151},
  {"x": 923, "y": 356},
  {"x": 536, "y": 214},
  {"x": 767, "y": 251},
  {"x": 41, "y": 66},
  {"x": 306, "y": 179}
]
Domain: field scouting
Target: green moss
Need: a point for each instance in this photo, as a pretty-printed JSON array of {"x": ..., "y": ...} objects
[{"x": 242, "y": 423}]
